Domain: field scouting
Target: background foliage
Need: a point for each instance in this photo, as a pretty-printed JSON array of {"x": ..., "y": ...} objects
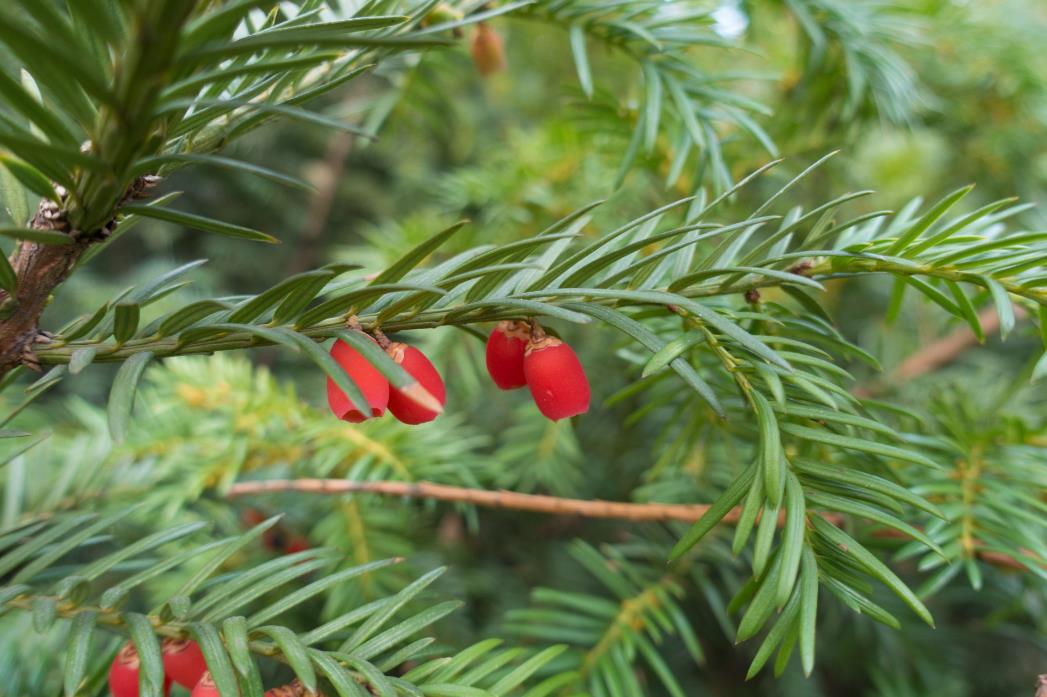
[{"x": 641, "y": 103}]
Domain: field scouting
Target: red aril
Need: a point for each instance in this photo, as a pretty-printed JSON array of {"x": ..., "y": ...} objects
[
  {"x": 404, "y": 404},
  {"x": 372, "y": 384},
  {"x": 183, "y": 661},
  {"x": 505, "y": 354},
  {"x": 556, "y": 378}
]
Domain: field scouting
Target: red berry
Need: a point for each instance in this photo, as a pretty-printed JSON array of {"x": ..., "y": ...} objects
[
  {"x": 205, "y": 687},
  {"x": 297, "y": 543},
  {"x": 183, "y": 661},
  {"x": 505, "y": 354},
  {"x": 123, "y": 674},
  {"x": 372, "y": 383},
  {"x": 404, "y": 405},
  {"x": 487, "y": 50},
  {"x": 556, "y": 378}
]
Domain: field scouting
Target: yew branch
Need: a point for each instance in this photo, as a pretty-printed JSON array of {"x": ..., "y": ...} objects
[{"x": 537, "y": 503}]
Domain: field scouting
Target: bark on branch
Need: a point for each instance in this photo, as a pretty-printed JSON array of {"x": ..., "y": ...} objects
[
  {"x": 39, "y": 269},
  {"x": 554, "y": 505}
]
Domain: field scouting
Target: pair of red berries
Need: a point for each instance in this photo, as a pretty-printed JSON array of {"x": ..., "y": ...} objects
[
  {"x": 519, "y": 354},
  {"x": 183, "y": 664},
  {"x": 379, "y": 394}
]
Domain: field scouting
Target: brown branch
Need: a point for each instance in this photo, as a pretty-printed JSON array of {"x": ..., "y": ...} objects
[
  {"x": 535, "y": 503},
  {"x": 327, "y": 177},
  {"x": 552, "y": 505},
  {"x": 39, "y": 268},
  {"x": 935, "y": 354}
]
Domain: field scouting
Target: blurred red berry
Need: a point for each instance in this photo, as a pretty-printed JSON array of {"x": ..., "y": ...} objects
[
  {"x": 183, "y": 661},
  {"x": 556, "y": 378},
  {"x": 297, "y": 543},
  {"x": 505, "y": 354},
  {"x": 487, "y": 50},
  {"x": 373, "y": 384},
  {"x": 401, "y": 403}
]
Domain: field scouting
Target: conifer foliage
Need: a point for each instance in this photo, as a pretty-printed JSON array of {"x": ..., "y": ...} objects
[{"x": 128, "y": 558}]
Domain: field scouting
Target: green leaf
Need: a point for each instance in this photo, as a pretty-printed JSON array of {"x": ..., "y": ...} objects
[
  {"x": 774, "y": 637},
  {"x": 30, "y": 178},
  {"x": 294, "y": 651},
  {"x": 234, "y": 630},
  {"x": 728, "y": 500},
  {"x": 763, "y": 603},
  {"x": 115, "y": 595},
  {"x": 750, "y": 510},
  {"x": 967, "y": 310},
  {"x": 529, "y": 308},
  {"x": 808, "y": 608},
  {"x": 394, "y": 635},
  {"x": 253, "y": 307},
  {"x": 125, "y": 321},
  {"x": 150, "y": 542},
  {"x": 518, "y": 675},
  {"x": 81, "y": 358},
  {"x": 926, "y": 220},
  {"x": 819, "y": 435},
  {"x": 792, "y": 537},
  {"x": 375, "y": 621},
  {"x": 1039, "y": 371},
  {"x": 246, "y": 587},
  {"x": 342, "y": 680},
  {"x": 67, "y": 544},
  {"x": 376, "y": 681},
  {"x": 13, "y": 196},
  {"x": 864, "y": 480},
  {"x": 122, "y": 393},
  {"x": 34, "y": 235},
  {"x": 652, "y": 105},
  {"x": 671, "y": 351},
  {"x": 307, "y": 36},
  {"x": 846, "y": 545},
  {"x": 189, "y": 315},
  {"x": 772, "y": 461},
  {"x": 416, "y": 255},
  {"x": 581, "y": 59},
  {"x": 218, "y": 663},
  {"x": 1004, "y": 307},
  {"x": 198, "y": 222},
  {"x": 224, "y": 550},
  {"x": 151, "y": 667},
  {"x": 304, "y": 593},
  {"x": 860, "y": 509},
  {"x": 154, "y": 164},
  {"x": 80, "y": 631}
]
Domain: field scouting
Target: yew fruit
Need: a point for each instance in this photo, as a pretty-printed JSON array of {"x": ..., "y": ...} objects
[
  {"x": 556, "y": 378},
  {"x": 403, "y": 403},
  {"x": 372, "y": 384},
  {"x": 183, "y": 661},
  {"x": 505, "y": 354}
]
